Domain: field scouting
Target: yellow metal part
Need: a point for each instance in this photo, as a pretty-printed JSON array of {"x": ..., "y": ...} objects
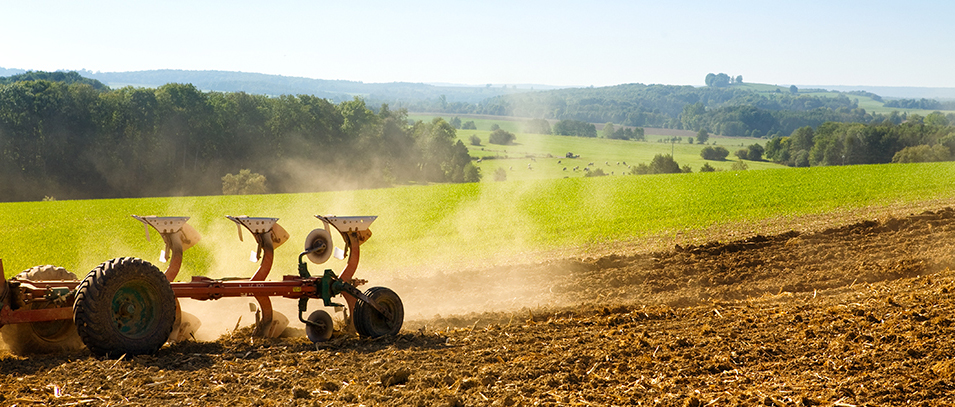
[
  {"x": 189, "y": 235},
  {"x": 279, "y": 235}
]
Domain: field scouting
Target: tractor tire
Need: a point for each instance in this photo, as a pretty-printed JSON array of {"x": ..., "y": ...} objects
[
  {"x": 42, "y": 337},
  {"x": 373, "y": 324},
  {"x": 124, "y": 306},
  {"x": 322, "y": 332},
  {"x": 46, "y": 273}
]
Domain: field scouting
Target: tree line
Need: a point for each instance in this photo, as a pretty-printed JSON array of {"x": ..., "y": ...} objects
[
  {"x": 752, "y": 121},
  {"x": 919, "y": 139},
  {"x": 922, "y": 104},
  {"x": 74, "y": 140},
  {"x": 726, "y": 110}
]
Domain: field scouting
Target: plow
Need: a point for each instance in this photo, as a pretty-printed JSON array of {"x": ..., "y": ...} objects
[{"x": 128, "y": 306}]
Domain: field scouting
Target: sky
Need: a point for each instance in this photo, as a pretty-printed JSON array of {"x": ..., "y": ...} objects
[{"x": 561, "y": 43}]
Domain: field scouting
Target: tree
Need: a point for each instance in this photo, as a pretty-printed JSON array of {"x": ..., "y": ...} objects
[
  {"x": 575, "y": 128},
  {"x": 775, "y": 146},
  {"x": 471, "y": 172},
  {"x": 640, "y": 169},
  {"x": 754, "y": 152},
  {"x": 244, "y": 183},
  {"x": 936, "y": 119},
  {"x": 664, "y": 164},
  {"x": 599, "y": 172},
  {"x": 537, "y": 126},
  {"x": 456, "y": 122},
  {"x": 441, "y": 159},
  {"x": 739, "y": 79},
  {"x": 801, "y": 159},
  {"x": 793, "y": 89},
  {"x": 718, "y": 153},
  {"x": 801, "y": 139},
  {"x": 501, "y": 137},
  {"x": 624, "y": 133},
  {"x": 739, "y": 165},
  {"x": 702, "y": 136},
  {"x": 742, "y": 153},
  {"x": 469, "y": 125},
  {"x": 693, "y": 116},
  {"x": 638, "y": 134},
  {"x": 720, "y": 80},
  {"x": 923, "y": 154},
  {"x": 500, "y": 174},
  {"x": 707, "y": 168},
  {"x": 475, "y": 140},
  {"x": 495, "y": 126},
  {"x": 607, "y": 131}
]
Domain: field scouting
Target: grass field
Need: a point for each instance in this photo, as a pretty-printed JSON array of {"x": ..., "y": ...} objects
[
  {"x": 538, "y": 156},
  {"x": 442, "y": 225},
  {"x": 535, "y": 156}
]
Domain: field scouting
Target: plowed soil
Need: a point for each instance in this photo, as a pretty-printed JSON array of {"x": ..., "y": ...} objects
[{"x": 860, "y": 314}]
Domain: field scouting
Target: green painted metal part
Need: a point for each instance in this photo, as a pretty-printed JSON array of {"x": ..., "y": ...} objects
[
  {"x": 57, "y": 295},
  {"x": 331, "y": 287},
  {"x": 132, "y": 305},
  {"x": 303, "y": 268}
]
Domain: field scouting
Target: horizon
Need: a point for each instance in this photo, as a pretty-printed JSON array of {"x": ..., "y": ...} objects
[
  {"x": 562, "y": 44},
  {"x": 833, "y": 87}
]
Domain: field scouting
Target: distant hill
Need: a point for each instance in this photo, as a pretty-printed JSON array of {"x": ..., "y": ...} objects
[
  {"x": 895, "y": 92},
  {"x": 59, "y": 76},
  {"x": 10, "y": 72},
  {"x": 335, "y": 90}
]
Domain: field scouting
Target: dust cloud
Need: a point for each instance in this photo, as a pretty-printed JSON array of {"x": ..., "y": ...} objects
[
  {"x": 422, "y": 244},
  {"x": 465, "y": 238},
  {"x": 225, "y": 315}
]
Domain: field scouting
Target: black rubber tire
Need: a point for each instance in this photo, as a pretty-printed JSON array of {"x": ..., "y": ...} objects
[
  {"x": 46, "y": 273},
  {"x": 42, "y": 337},
  {"x": 371, "y": 323},
  {"x": 124, "y": 306},
  {"x": 323, "y": 332}
]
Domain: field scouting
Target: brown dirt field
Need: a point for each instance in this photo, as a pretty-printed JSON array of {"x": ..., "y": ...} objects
[{"x": 861, "y": 314}]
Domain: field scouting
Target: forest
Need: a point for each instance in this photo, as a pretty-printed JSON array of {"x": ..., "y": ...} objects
[
  {"x": 726, "y": 110},
  {"x": 919, "y": 139},
  {"x": 69, "y": 138},
  {"x": 923, "y": 103}
]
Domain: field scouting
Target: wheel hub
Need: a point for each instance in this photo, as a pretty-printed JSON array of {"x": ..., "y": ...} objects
[{"x": 130, "y": 305}]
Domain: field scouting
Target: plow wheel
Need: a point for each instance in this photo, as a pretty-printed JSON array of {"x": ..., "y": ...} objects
[
  {"x": 42, "y": 337},
  {"x": 371, "y": 323},
  {"x": 323, "y": 331},
  {"x": 124, "y": 306}
]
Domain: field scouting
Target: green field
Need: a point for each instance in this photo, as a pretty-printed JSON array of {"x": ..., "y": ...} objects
[
  {"x": 535, "y": 156},
  {"x": 435, "y": 227},
  {"x": 545, "y": 154}
]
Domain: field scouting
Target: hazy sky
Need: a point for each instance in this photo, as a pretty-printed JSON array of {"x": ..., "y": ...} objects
[{"x": 833, "y": 42}]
